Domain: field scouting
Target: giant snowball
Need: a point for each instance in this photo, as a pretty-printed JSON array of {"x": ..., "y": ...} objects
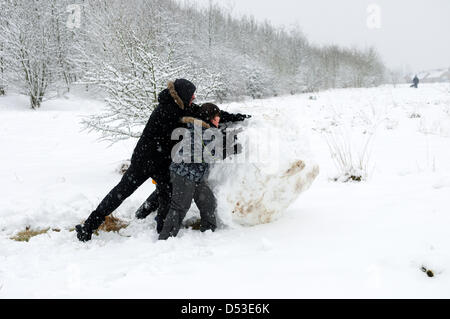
[{"x": 275, "y": 167}]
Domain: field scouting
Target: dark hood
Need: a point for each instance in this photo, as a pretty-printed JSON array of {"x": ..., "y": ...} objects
[{"x": 180, "y": 91}]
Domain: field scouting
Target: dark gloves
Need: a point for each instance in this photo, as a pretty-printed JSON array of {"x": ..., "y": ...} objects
[{"x": 241, "y": 117}]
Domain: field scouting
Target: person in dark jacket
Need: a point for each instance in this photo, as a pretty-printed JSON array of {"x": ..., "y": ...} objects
[
  {"x": 415, "y": 82},
  {"x": 151, "y": 156},
  {"x": 189, "y": 175}
]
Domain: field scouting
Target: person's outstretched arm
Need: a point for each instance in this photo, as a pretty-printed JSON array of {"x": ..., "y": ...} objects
[
  {"x": 194, "y": 110},
  {"x": 230, "y": 117}
]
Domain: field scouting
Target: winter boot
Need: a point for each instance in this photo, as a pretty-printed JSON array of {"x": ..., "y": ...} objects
[
  {"x": 83, "y": 234},
  {"x": 207, "y": 225},
  {"x": 148, "y": 207},
  {"x": 172, "y": 224},
  {"x": 161, "y": 216}
]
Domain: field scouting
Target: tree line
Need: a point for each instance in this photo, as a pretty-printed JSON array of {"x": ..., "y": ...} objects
[{"x": 131, "y": 49}]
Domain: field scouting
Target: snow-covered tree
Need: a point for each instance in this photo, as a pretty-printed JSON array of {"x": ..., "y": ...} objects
[
  {"x": 396, "y": 76},
  {"x": 64, "y": 39},
  {"x": 3, "y": 22},
  {"x": 132, "y": 62},
  {"x": 131, "y": 78},
  {"x": 29, "y": 44},
  {"x": 26, "y": 42},
  {"x": 254, "y": 81},
  {"x": 129, "y": 49},
  {"x": 2, "y": 71},
  {"x": 311, "y": 74}
]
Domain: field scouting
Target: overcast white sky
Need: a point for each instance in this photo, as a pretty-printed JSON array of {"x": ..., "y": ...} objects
[{"x": 414, "y": 33}]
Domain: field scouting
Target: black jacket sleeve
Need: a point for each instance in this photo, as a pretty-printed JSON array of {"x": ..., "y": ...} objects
[
  {"x": 229, "y": 117},
  {"x": 194, "y": 110}
]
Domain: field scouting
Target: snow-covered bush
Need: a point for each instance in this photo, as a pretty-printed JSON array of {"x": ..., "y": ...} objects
[
  {"x": 210, "y": 85},
  {"x": 132, "y": 90},
  {"x": 257, "y": 81},
  {"x": 132, "y": 64},
  {"x": 350, "y": 159}
]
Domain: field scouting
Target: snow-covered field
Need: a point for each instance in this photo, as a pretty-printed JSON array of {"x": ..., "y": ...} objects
[{"x": 365, "y": 239}]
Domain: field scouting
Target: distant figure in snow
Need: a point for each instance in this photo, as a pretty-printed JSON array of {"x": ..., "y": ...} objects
[{"x": 415, "y": 82}]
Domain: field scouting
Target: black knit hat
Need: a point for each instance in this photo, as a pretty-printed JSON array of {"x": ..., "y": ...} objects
[
  {"x": 185, "y": 90},
  {"x": 208, "y": 111}
]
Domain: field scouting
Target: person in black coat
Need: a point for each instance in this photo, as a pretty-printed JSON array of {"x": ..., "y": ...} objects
[
  {"x": 152, "y": 155},
  {"x": 415, "y": 82}
]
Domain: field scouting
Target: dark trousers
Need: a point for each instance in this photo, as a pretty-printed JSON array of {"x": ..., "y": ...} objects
[
  {"x": 183, "y": 191},
  {"x": 134, "y": 177}
]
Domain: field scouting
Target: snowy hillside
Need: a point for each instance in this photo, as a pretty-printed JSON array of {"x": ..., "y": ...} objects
[{"x": 374, "y": 238}]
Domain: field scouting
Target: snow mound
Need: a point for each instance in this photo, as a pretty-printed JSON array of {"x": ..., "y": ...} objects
[{"x": 275, "y": 167}]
